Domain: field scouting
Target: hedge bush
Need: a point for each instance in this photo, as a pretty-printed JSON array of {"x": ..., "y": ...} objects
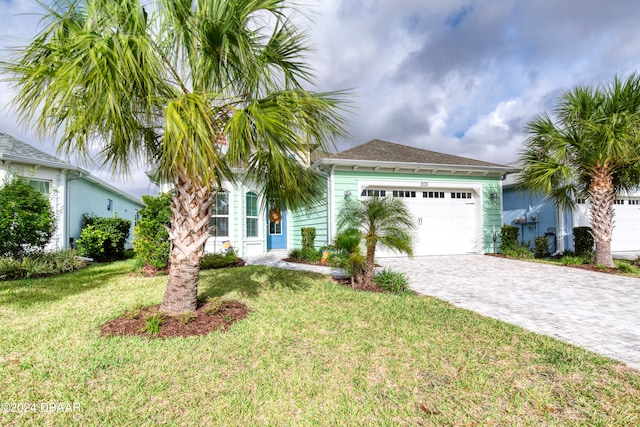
[
  {"x": 103, "y": 239},
  {"x": 27, "y": 221},
  {"x": 151, "y": 242},
  {"x": 583, "y": 240},
  {"x": 308, "y": 238},
  {"x": 509, "y": 238}
]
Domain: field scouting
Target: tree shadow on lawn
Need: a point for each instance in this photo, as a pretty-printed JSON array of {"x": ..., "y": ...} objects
[
  {"x": 24, "y": 293},
  {"x": 250, "y": 280}
]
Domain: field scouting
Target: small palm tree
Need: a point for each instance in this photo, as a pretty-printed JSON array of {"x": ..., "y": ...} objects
[
  {"x": 168, "y": 84},
  {"x": 381, "y": 220},
  {"x": 350, "y": 257},
  {"x": 589, "y": 150}
]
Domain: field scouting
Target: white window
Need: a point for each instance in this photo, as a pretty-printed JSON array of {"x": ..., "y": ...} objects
[
  {"x": 219, "y": 223},
  {"x": 433, "y": 194},
  {"x": 41, "y": 186},
  {"x": 252, "y": 214},
  {"x": 403, "y": 193},
  {"x": 373, "y": 193}
]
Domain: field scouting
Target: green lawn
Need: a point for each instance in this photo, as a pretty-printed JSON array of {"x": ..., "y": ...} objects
[{"x": 311, "y": 352}]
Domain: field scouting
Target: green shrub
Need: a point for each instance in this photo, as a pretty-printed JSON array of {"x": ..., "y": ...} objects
[
  {"x": 308, "y": 238},
  {"x": 103, "y": 238},
  {"x": 571, "y": 260},
  {"x": 152, "y": 323},
  {"x": 520, "y": 251},
  {"x": 509, "y": 239},
  {"x": 213, "y": 305},
  {"x": 40, "y": 264},
  {"x": 295, "y": 253},
  {"x": 151, "y": 242},
  {"x": 392, "y": 281},
  {"x": 624, "y": 267},
  {"x": 27, "y": 221},
  {"x": 348, "y": 254},
  {"x": 583, "y": 240},
  {"x": 311, "y": 255},
  {"x": 541, "y": 247},
  {"x": 218, "y": 260}
]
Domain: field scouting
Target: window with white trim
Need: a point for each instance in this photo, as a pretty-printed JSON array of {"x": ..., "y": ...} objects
[
  {"x": 40, "y": 186},
  {"x": 460, "y": 195},
  {"x": 433, "y": 194},
  {"x": 373, "y": 193},
  {"x": 219, "y": 222},
  {"x": 404, "y": 193},
  {"x": 251, "y": 210}
]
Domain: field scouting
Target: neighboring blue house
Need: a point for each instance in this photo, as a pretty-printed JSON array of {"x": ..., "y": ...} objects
[
  {"x": 72, "y": 191},
  {"x": 536, "y": 215}
]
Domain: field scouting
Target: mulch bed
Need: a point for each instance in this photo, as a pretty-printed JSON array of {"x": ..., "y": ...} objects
[{"x": 202, "y": 323}]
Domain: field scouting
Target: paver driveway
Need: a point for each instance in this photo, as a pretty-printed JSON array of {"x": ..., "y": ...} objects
[{"x": 597, "y": 311}]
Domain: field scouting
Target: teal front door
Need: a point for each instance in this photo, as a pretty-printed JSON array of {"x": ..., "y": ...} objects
[{"x": 277, "y": 232}]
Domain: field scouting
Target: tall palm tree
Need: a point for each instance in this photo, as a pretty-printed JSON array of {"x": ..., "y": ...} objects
[
  {"x": 383, "y": 221},
  {"x": 162, "y": 84},
  {"x": 590, "y": 150}
]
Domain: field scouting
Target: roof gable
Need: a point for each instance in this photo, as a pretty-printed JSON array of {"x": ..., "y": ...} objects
[
  {"x": 378, "y": 150},
  {"x": 15, "y": 150}
]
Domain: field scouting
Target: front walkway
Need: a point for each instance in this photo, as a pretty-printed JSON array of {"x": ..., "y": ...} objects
[{"x": 597, "y": 311}]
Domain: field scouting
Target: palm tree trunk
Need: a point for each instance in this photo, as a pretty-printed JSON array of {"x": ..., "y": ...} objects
[
  {"x": 601, "y": 195},
  {"x": 188, "y": 234},
  {"x": 369, "y": 266}
]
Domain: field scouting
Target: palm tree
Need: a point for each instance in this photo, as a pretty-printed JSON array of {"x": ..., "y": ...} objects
[
  {"x": 382, "y": 220},
  {"x": 162, "y": 84},
  {"x": 589, "y": 150}
]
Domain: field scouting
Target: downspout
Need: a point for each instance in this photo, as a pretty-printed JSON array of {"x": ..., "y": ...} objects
[
  {"x": 329, "y": 202},
  {"x": 67, "y": 211}
]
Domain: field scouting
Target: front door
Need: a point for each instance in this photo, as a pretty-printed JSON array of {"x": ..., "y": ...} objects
[{"x": 277, "y": 231}]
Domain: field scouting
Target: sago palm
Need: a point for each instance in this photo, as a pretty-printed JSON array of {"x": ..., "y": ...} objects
[
  {"x": 589, "y": 149},
  {"x": 382, "y": 221},
  {"x": 162, "y": 83}
]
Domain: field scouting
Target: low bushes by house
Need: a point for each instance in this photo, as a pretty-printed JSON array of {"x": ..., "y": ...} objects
[
  {"x": 103, "y": 239},
  {"x": 392, "y": 281},
  {"x": 220, "y": 260},
  {"x": 151, "y": 242},
  {"x": 27, "y": 221},
  {"x": 509, "y": 245},
  {"x": 40, "y": 264}
]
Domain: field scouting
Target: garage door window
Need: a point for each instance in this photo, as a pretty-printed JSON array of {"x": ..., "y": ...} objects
[
  {"x": 402, "y": 193},
  {"x": 634, "y": 202},
  {"x": 458, "y": 195},
  {"x": 433, "y": 194},
  {"x": 373, "y": 193},
  {"x": 618, "y": 202}
]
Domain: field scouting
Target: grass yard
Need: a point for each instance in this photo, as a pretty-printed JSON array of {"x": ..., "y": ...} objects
[{"x": 310, "y": 353}]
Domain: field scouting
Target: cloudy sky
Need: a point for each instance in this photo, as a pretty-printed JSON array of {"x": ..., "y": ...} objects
[{"x": 460, "y": 77}]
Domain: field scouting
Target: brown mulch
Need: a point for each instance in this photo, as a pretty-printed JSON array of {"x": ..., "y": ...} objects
[
  {"x": 346, "y": 281},
  {"x": 202, "y": 323}
]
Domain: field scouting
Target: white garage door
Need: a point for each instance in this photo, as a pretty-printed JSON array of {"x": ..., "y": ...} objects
[
  {"x": 626, "y": 232},
  {"x": 445, "y": 220}
]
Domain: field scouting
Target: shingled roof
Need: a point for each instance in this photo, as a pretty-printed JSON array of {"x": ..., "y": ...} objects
[
  {"x": 377, "y": 150},
  {"x": 14, "y": 150}
]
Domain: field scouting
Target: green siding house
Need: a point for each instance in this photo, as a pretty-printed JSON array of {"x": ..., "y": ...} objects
[{"x": 456, "y": 202}]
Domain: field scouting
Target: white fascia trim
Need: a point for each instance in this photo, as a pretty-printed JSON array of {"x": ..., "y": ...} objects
[{"x": 416, "y": 167}]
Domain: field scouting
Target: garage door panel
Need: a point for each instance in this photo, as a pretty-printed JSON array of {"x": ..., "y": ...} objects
[
  {"x": 626, "y": 231},
  {"x": 445, "y": 224}
]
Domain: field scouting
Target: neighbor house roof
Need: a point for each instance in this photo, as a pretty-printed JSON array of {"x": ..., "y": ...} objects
[
  {"x": 383, "y": 154},
  {"x": 14, "y": 150}
]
